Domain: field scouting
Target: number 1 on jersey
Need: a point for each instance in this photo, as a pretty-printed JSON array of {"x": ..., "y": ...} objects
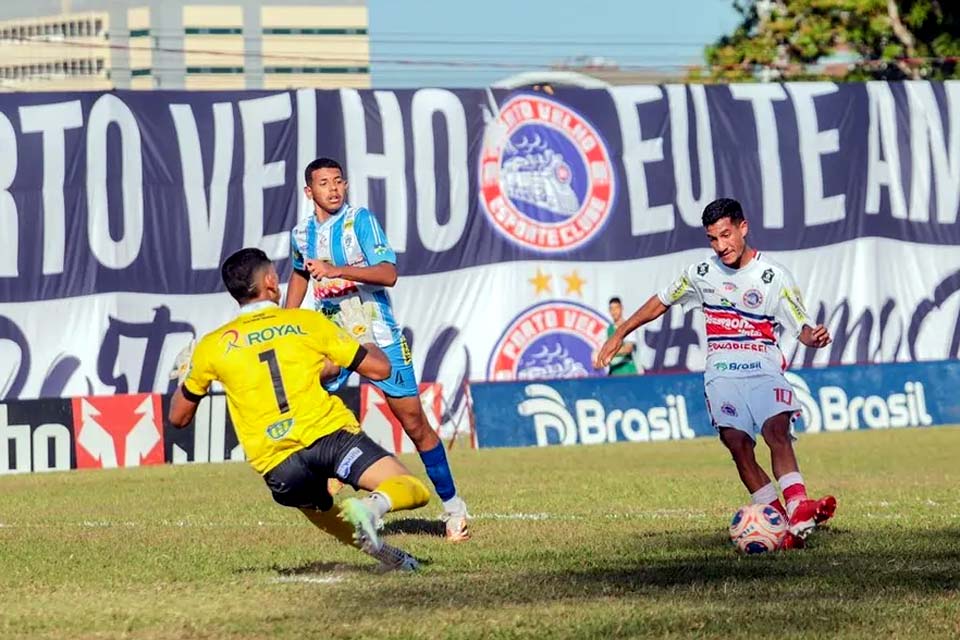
[{"x": 270, "y": 357}]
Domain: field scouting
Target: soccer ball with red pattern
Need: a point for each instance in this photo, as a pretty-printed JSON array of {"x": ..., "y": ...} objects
[{"x": 757, "y": 528}]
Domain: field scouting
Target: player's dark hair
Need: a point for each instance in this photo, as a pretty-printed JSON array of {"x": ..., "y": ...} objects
[
  {"x": 239, "y": 273},
  {"x": 615, "y": 299},
  {"x": 320, "y": 163},
  {"x": 722, "y": 208}
]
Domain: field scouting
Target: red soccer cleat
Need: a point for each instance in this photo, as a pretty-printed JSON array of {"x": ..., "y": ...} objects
[
  {"x": 826, "y": 507},
  {"x": 791, "y": 541},
  {"x": 804, "y": 519}
]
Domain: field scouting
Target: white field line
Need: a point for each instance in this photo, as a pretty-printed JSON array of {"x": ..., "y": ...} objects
[
  {"x": 867, "y": 509},
  {"x": 308, "y": 579},
  {"x": 206, "y": 524}
]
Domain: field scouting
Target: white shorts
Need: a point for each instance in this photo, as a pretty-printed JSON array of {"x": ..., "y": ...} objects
[{"x": 746, "y": 403}]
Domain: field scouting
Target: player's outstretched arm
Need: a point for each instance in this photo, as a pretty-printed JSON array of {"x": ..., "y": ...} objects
[
  {"x": 651, "y": 310},
  {"x": 816, "y": 337},
  {"x": 296, "y": 290},
  {"x": 182, "y": 409}
]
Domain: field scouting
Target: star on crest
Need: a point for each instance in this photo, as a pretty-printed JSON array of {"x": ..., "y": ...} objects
[
  {"x": 541, "y": 282},
  {"x": 574, "y": 283}
]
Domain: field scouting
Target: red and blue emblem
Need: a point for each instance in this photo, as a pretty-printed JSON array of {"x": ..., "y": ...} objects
[
  {"x": 550, "y": 340},
  {"x": 546, "y": 179}
]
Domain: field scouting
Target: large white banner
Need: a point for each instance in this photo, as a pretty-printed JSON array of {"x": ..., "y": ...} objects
[{"x": 883, "y": 300}]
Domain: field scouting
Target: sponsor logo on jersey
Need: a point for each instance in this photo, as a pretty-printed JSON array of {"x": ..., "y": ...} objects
[
  {"x": 277, "y": 430},
  {"x": 795, "y": 304},
  {"x": 229, "y": 340},
  {"x": 276, "y": 331},
  {"x": 546, "y": 179},
  {"x": 725, "y": 345},
  {"x": 729, "y": 286},
  {"x": 729, "y": 324},
  {"x": 702, "y": 269},
  {"x": 552, "y": 339},
  {"x": 738, "y": 366},
  {"x": 767, "y": 276},
  {"x": 679, "y": 288},
  {"x": 752, "y": 298}
]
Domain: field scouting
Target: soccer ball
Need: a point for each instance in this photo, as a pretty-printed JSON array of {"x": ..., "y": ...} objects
[{"x": 757, "y": 528}]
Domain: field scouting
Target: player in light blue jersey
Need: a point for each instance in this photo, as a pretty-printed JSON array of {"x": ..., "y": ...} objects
[{"x": 344, "y": 254}]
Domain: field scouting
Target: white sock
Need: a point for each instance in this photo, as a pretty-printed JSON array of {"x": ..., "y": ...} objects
[
  {"x": 378, "y": 503},
  {"x": 788, "y": 480},
  {"x": 767, "y": 494},
  {"x": 454, "y": 505}
]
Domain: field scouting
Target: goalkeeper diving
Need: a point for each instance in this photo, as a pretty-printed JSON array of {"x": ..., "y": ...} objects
[{"x": 297, "y": 436}]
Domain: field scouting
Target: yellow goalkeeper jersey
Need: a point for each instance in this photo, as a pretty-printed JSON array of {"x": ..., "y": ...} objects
[{"x": 269, "y": 362}]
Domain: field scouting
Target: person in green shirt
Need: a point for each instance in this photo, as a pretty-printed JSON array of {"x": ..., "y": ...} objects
[{"x": 622, "y": 363}]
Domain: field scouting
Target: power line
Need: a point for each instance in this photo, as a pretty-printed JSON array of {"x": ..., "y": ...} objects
[
  {"x": 428, "y": 38},
  {"x": 406, "y": 61},
  {"x": 451, "y": 63}
]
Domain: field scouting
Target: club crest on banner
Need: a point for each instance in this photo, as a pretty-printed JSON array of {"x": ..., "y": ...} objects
[
  {"x": 546, "y": 180},
  {"x": 552, "y": 339}
]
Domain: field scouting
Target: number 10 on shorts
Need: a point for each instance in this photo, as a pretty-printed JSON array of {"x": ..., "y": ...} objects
[{"x": 783, "y": 396}]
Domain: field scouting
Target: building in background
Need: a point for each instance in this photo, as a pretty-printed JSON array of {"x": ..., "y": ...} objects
[{"x": 68, "y": 45}]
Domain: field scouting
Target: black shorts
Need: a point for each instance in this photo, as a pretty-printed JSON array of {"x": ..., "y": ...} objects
[{"x": 301, "y": 480}]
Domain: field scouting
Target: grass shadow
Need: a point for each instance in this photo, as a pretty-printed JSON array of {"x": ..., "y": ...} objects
[
  {"x": 678, "y": 564},
  {"x": 415, "y": 526}
]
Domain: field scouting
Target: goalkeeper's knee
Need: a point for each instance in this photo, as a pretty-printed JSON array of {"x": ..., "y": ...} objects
[{"x": 404, "y": 492}]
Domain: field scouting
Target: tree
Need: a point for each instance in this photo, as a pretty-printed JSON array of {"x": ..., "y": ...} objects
[{"x": 838, "y": 39}]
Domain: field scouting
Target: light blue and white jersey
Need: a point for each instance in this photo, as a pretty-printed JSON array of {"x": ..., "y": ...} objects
[{"x": 351, "y": 237}]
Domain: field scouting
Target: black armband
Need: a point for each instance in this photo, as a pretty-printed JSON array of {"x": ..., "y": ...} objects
[
  {"x": 358, "y": 358},
  {"x": 190, "y": 395}
]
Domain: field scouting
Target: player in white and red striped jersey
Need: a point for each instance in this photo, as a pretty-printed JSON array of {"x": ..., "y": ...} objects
[{"x": 747, "y": 300}]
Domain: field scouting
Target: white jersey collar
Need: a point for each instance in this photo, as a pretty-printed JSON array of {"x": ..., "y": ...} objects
[
  {"x": 343, "y": 210},
  {"x": 259, "y": 305},
  {"x": 730, "y": 270}
]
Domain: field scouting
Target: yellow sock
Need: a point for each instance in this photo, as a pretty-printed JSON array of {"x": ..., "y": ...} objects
[
  {"x": 404, "y": 492},
  {"x": 331, "y": 522}
]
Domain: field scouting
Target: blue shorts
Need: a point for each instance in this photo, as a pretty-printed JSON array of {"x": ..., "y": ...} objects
[{"x": 402, "y": 382}]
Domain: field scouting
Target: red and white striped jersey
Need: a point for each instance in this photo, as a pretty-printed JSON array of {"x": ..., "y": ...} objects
[{"x": 745, "y": 309}]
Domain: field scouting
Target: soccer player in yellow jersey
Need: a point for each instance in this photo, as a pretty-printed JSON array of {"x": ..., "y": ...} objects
[{"x": 270, "y": 361}]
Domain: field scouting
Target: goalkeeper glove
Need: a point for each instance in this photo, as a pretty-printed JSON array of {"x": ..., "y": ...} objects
[
  {"x": 181, "y": 366},
  {"x": 354, "y": 320}
]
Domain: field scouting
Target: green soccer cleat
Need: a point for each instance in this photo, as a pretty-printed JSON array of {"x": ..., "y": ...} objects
[{"x": 364, "y": 522}]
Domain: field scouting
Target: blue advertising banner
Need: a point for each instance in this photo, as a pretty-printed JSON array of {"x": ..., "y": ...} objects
[{"x": 671, "y": 407}]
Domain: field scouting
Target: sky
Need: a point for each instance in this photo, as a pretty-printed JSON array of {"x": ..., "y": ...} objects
[{"x": 464, "y": 43}]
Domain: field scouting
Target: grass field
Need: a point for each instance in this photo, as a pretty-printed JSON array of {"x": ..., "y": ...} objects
[{"x": 582, "y": 542}]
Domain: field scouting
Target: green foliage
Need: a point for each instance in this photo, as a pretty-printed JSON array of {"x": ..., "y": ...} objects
[
  {"x": 838, "y": 40},
  {"x": 605, "y": 541}
]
